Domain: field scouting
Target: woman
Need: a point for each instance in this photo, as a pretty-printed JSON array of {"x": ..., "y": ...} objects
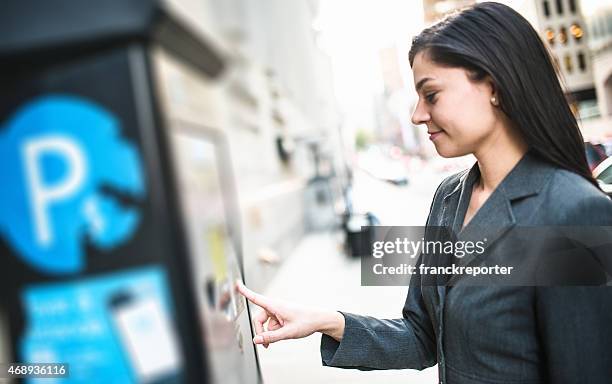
[{"x": 486, "y": 86}]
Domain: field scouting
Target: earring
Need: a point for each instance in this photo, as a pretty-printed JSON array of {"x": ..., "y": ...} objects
[{"x": 494, "y": 101}]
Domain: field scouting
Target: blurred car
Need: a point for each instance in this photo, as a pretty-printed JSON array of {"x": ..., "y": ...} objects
[
  {"x": 595, "y": 154},
  {"x": 381, "y": 166},
  {"x": 603, "y": 174}
]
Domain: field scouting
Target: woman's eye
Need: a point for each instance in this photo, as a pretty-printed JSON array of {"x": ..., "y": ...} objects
[{"x": 430, "y": 97}]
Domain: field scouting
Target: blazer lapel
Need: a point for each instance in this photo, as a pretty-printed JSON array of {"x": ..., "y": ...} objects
[
  {"x": 490, "y": 223},
  {"x": 496, "y": 216}
]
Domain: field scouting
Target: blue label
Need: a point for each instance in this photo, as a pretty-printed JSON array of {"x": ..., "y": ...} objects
[
  {"x": 61, "y": 159},
  {"x": 98, "y": 326}
]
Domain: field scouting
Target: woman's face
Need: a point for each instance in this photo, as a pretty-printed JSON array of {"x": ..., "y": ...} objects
[{"x": 457, "y": 111}]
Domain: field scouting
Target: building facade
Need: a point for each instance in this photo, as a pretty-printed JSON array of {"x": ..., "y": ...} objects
[
  {"x": 274, "y": 101},
  {"x": 600, "y": 42},
  {"x": 562, "y": 25}
]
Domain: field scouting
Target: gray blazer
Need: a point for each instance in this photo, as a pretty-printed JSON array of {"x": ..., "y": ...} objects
[{"x": 496, "y": 334}]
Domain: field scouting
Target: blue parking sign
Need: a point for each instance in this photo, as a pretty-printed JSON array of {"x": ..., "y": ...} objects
[{"x": 61, "y": 157}]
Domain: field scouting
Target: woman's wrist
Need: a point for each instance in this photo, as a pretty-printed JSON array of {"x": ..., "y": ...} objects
[{"x": 332, "y": 324}]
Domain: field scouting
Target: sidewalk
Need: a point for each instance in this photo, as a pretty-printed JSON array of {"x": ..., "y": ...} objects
[{"x": 317, "y": 273}]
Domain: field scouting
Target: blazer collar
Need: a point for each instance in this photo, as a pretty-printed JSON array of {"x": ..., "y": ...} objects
[
  {"x": 496, "y": 217},
  {"x": 527, "y": 178}
]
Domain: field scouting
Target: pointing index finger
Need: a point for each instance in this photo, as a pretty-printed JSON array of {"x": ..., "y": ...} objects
[{"x": 253, "y": 297}]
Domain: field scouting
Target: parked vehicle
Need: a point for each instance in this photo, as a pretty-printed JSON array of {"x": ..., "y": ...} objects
[
  {"x": 378, "y": 164},
  {"x": 595, "y": 154},
  {"x": 603, "y": 174}
]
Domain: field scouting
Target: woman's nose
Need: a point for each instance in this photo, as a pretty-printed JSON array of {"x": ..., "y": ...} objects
[{"x": 420, "y": 114}]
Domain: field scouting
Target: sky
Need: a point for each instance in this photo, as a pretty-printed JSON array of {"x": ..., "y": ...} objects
[{"x": 352, "y": 33}]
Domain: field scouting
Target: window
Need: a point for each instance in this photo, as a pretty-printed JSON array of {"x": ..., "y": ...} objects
[
  {"x": 576, "y": 31},
  {"x": 559, "y": 7},
  {"x": 568, "y": 63},
  {"x": 563, "y": 35},
  {"x": 581, "y": 62},
  {"x": 549, "y": 34},
  {"x": 572, "y": 6},
  {"x": 546, "y": 7}
]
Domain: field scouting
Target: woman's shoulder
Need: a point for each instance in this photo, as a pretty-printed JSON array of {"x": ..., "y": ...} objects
[{"x": 575, "y": 200}]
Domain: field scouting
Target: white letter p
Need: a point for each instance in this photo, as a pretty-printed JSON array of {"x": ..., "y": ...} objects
[{"x": 43, "y": 195}]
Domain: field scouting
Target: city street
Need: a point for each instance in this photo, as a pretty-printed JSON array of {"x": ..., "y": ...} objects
[
  {"x": 155, "y": 152},
  {"x": 318, "y": 273}
]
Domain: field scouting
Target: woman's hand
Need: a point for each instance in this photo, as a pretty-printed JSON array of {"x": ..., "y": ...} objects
[{"x": 290, "y": 321}]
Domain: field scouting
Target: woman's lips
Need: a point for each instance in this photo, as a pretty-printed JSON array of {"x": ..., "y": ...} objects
[{"x": 433, "y": 135}]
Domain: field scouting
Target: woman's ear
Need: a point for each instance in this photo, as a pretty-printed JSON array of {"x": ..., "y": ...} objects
[{"x": 493, "y": 89}]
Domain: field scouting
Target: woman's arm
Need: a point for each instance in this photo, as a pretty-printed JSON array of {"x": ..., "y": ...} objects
[
  {"x": 575, "y": 328},
  {"x": 408, "y": 342},
  {"x": 575, "y": 322},
  {"x": 348, "y": 340},
  {"x": 369, "y": 343}
]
